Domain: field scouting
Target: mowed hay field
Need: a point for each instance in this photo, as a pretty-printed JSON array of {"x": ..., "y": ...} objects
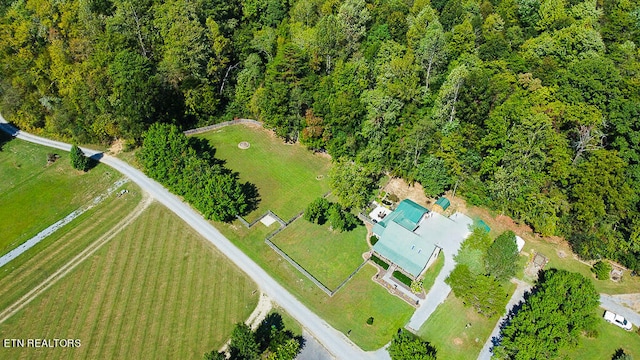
[
  {"x": 34, "y": 195},
  {"x": 288, "y": 176},
  {"x": 156, "y": 290}
]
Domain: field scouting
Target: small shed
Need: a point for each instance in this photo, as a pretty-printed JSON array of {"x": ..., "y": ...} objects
[
  {"x": 482, "y": 225},
  {"x": 443, "y": 202}
]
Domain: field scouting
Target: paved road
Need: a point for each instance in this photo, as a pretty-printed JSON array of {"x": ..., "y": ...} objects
[
  {"x": 614, "y": 304},
  {"x": 518, "y": 295},
  {"x": 335, "y": 342}
]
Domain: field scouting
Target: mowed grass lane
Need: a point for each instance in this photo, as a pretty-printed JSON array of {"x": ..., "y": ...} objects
[
  {"x": 157, "y": 290},
  {"x": 34, "y": 195},
  {"x": 288, "y": 176},
  {"x": 31, "y": 268},
  {"x": 330, "y": 256}
]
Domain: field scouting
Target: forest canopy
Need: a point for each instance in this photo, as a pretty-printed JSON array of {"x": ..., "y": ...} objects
[{"x": 529, "y": 107}]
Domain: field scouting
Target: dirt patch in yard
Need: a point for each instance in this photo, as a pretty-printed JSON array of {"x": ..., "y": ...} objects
[
  {"x": 402, "y": 190},
  {"x": 116, "y": 147}
]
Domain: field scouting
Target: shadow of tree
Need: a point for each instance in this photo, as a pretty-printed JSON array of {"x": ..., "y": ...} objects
[
  {"x": 496, "y": 340},
  {"x": 271, "y": 333},
  {"x": 93, "y": 161},
  {"x": 4, "y": 138},
  {"x": 252, "y": 197}
]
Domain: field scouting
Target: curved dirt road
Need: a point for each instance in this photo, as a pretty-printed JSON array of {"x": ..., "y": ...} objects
[{"x": 337, "y": 343}]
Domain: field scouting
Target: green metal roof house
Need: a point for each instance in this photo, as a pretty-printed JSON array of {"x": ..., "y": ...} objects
[
  {"x": 411, "y": 237},
  {"x": 399, "y": 243}
]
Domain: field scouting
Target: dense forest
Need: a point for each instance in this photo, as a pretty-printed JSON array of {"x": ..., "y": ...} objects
[{"x": 528, "y": 107}]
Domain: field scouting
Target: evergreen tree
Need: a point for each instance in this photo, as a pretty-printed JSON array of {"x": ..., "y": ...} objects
[
  {"x": 78, "y": 160},
  {"x": 502, "y": 256}
]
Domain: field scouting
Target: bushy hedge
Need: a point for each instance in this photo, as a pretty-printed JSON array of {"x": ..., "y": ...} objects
[
  {"x": 379, "y": 261},
  {"x": 373, "y": 240},
  {"x": 402, "y": 277},
  {"x": 321, "y": 210},
  {"x": 602, "y": 269}
]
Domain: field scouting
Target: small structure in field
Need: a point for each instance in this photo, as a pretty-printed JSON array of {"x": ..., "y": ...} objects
[{"x": 244, "y": 145}]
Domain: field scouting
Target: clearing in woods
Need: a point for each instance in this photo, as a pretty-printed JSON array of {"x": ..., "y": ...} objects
[{"x": 288, "y": 176}]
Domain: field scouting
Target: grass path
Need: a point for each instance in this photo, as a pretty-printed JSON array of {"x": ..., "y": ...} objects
[
  {"x": 68, "y": 267},
  {"x": 156, "y": 290}
]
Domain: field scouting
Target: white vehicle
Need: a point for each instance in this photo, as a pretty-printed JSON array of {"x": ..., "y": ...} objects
[{"x": 617, "y": 320}]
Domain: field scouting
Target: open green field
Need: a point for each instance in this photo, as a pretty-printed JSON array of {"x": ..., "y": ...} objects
[
  {"x": 34, "y": 195},
  {"x": 627, "y": 285},
  {"x": 330, "y": 256},
  {"x": 287, "y": 176},
  {"x": 610, "y": 338},
  {"x": 156, "y": 290},
  {"x": 347, "y": 310},
  {"x": 447, "y": 330},
  {"x": 30, "y": 269}
]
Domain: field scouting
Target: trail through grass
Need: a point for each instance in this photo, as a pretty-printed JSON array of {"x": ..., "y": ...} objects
[{"x": 157, "y": 290}]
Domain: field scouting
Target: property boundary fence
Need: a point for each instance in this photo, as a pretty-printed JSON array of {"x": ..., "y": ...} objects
[
  {"x": 299, "y": 267},
  {"x": 221, "y": 125}
]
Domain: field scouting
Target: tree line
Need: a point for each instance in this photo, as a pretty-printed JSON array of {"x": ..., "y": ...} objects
[
  {"x": 186, "y": 166},
  {"x": 528, "y": 107}
]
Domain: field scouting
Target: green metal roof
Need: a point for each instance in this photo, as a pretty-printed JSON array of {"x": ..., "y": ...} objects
[
  {"x": 443, "y": 202},
  {"x": 404, "y": 248},
  {"x": 407, "y": 215}
]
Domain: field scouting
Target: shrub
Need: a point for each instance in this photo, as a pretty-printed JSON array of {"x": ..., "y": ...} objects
[
  {"x": 416, "y": 286},
  {"x": 373, "y": 240},
  {"x": 402, "y": 278},
  {"x": 602, "y": 270},
  {"x": 379, "y": 261},
  {"x": 370, "y": 321}
]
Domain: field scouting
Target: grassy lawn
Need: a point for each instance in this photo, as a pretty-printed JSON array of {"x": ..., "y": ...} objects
[
  {"x": 447, "y": 330},
  {"x": 34, "y": 195},
  {"x": 328, "y": 255},
  {"x": 348, "y": 310},
  {"x": 610, "y": 338},
  {"x": 286, "y": 175},
  {"x": 31, "y": 268},
  {"x": 432, "y": 273},
  {"x": 157, "y": 290},
  {"x": 627, "y": 285}
]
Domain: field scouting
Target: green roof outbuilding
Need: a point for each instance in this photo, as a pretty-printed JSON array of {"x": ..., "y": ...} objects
[{"x": 443, "y": 202}]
